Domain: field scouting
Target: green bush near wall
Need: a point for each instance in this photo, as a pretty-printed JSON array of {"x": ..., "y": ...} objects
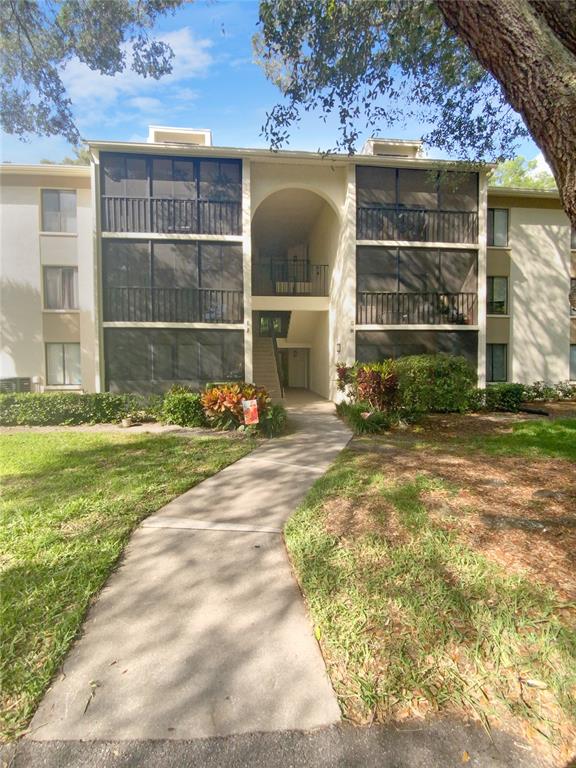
[
  {"x": 435, "y": 383},
  {"x": 66, "y": 408},
  {"x": 184, "y": 409}
]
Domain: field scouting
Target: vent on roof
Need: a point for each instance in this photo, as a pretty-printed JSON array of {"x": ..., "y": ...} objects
[
  {"x": 158, "y": 134},
  {"x": 392, "y": 148}
]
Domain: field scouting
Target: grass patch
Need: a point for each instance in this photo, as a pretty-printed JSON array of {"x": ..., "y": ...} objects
[
  {"x": 556, "y": 439},
  {"x": 70, "y": 502},
  {"x": 411, "y": 619}
]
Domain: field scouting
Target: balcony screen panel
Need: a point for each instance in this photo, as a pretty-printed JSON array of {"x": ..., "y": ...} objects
[
  {"x": 373, "y": 346},
  {"x": 175, "y": 265},
  {"x": 375, "y": 186},
  {"x": 377, "y": 269},
  {"x": 417, "y": 189},
  {"x": 136, "y": 177},
  {"x": 162, "y": 182},
  {"x": 151, "y": 360},
  {"x": 184, "y": 179},
  {"x": 220, "y": 180},
  {"x": 418, "y": 270},
  {"x": 114, "y": 173},
  {"x": 458, "y": 191},
  {"x": 162, "y": 361},
  {"x": 221, "y": 266},
  {"x": 458, "y": 271},
  {"x": 126, "y": 264}
]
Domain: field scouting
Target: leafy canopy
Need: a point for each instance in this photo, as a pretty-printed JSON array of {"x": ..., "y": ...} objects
[
  {"x": 379, "y": 63},
  {"x": 39, "y": 38},
  {"x": 520, "y": 172}
]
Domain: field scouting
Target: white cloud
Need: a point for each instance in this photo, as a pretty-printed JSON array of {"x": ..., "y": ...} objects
[
  {"x": 144, "y": 103},
  {"x": 90, "y": 91}
]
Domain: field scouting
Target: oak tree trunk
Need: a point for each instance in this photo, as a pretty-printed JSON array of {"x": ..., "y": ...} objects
[{"x": 528, "y": 46}]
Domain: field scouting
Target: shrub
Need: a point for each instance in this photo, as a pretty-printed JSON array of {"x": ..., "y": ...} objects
[
  {"x": 274, "y": 421},
  {"x": 66, "y": 408},
  {"x": 435, "y": 383},
  {"x": 223, "y": 404},
  {"x": 542, "y": 390},
  {"x": 183, "y": 408},
  {"x": 362, "y": 419},
  {"x": 377, "y": 385},
  {"x": 504, "y": 397}
]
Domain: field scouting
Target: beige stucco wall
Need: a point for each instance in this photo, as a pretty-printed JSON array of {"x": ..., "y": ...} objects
[
  {"x": 24, "y": 250},
  {"x": 21, "y": 347},
  {"x": 498, "y": 262},
  {"x": 497, "y": 330},
  {"x": 539, "y": 286}
]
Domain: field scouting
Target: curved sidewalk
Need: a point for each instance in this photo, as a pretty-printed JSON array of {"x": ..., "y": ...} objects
[{"x": 201, "y": 631}]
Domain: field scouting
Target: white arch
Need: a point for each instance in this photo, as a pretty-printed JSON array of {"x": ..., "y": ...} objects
[{"x": 286, "y": 187}]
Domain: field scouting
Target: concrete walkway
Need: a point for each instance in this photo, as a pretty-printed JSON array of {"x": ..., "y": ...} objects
[{"x": 201, "y": 631}]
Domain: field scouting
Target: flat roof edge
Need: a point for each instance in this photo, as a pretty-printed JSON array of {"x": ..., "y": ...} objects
[
  {"x": 522, "y": 192},
  {"x": 48, "y": 169}
]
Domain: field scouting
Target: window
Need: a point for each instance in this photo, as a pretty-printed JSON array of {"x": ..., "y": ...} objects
[
  {"x": 573, "y": 239},
  {"x": 60, "y": 288},
  {"x": 572, "y": 292},
  {"x": 63, "y": 365},
  {"x": 58, "y": 210},
  {"x": 572, "y": 362},
  {"x": 497, "y": 296},
  {"x": 497, "y": 362},
  {"x": 498, "y": 226}
]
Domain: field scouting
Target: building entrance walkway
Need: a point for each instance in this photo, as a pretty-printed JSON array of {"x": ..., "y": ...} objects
[{"x": 202, "y": 631}]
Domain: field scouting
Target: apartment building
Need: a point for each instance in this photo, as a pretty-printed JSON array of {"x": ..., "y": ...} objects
[{"x": 176, "y": 261}]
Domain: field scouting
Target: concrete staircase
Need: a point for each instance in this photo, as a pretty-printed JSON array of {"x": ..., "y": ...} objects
[{"x": 265, "y": 371}]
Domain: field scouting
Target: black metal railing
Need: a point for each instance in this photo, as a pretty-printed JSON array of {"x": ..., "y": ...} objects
[
  {"x": 173, "y": 305},
  {"x": 171, "y": 215},
  {"x": 379, "y": 308},
  {"x": 380, "y": 223},
  {"x": 290, "y": 278}
]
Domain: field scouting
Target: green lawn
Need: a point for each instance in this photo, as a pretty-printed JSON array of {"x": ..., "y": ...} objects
[
  {"x": 414, "y": 621},
  {"x": 70, "y": 501}
]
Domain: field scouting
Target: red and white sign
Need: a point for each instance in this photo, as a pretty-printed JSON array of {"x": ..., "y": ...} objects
[{"x": 250, "y": 409}]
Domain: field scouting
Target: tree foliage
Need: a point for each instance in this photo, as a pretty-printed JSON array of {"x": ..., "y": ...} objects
[
  {"x": 81, "y": 157},
  {"x": 520, "y": 172},
  {"x": 481, "y": 74},
  {"x": 380, "y": 63},
  {"x": 39, "y": 38}
]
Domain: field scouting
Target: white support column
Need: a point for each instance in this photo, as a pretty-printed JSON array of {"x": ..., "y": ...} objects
[
  {"x": 97, "y": 317},
  {"x": 247, "y": 267},
  {"x": 482, "y": 257}
]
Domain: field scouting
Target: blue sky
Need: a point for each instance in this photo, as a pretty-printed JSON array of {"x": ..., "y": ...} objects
[{"x": 214, "y": 84}]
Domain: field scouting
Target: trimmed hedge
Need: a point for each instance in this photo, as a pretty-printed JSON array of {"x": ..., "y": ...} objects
[
  {"x": 184, "y": 409},
  {"x": 435, "y": 383},
  {"x": 411, "y": 385},
  {"x": 65, "y": 408},
  {"x": 504, "y": 397}
]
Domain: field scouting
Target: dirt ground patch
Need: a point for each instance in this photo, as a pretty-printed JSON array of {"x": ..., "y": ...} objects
[{"x": 517, "y": 511}]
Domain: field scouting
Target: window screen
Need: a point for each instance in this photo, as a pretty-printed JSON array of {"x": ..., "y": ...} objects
[
  {"x": 58, "y": 210},
  {"x": 496, "y": 362},
  {"x": 61, "y": 288},
  {"x": 497, "y": 226}
]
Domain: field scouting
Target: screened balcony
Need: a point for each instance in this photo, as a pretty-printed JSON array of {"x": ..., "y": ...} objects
[
  {"x": 416, "y": 205},
  {"x": 171, "y": 195},
  {"x": 172, "y": 305},
  {"x": 172, "y": 282},
  {"x": 290, "y": 278},
  {"x": 416, "y": 286},
  {"x": 385, "y": 308}
]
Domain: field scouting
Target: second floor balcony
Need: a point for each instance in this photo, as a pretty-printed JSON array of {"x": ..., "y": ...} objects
[
  {"x": 391, "y": 223},
  {"x": 290, "y": 278},
  {"x": 171, "y": 215},
  {"x": 172, "y": 305},
  {"x": 430, "y": 308}
]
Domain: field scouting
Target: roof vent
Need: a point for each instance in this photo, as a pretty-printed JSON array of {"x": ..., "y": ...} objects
[
  {"x": 160, "y": 134},
  {"x": 392, "y": 147}
]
